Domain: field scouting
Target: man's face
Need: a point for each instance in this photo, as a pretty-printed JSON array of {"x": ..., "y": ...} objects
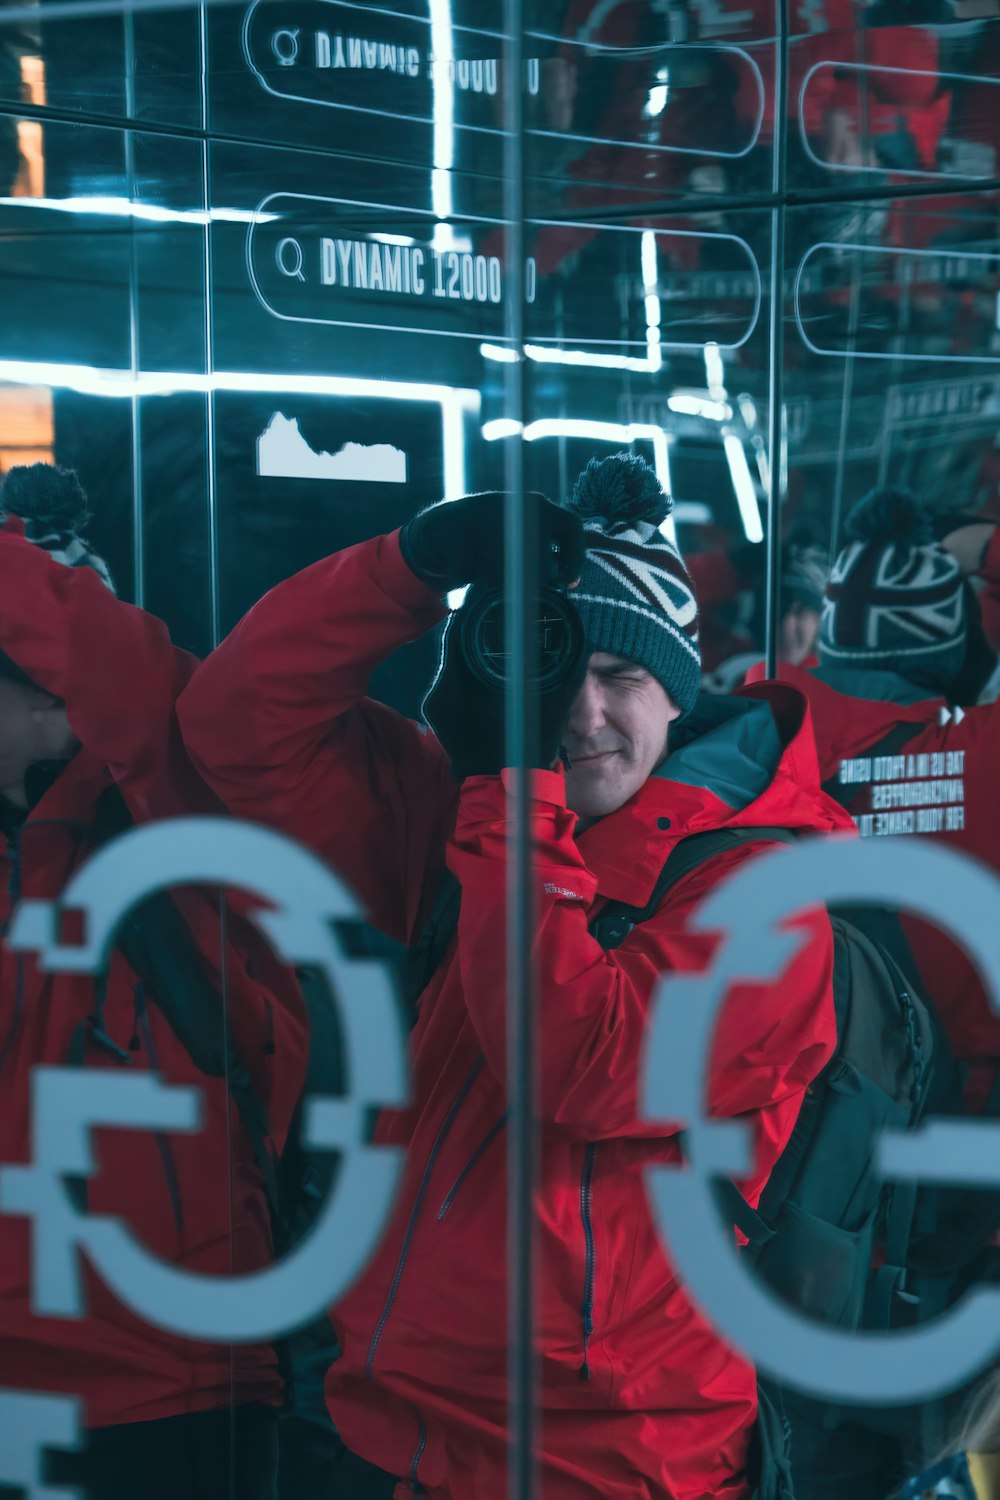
[
  {"x": 33, "y": 726},
  {"x": 615, "y": 735},
  {"x": 799, "y": 629}
]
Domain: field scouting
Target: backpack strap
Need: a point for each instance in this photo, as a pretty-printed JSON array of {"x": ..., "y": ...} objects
[
  {"x": 611, "y": 927},
  {"x": 898, "y": 736},
  {"x": 616, "y": 920},
  {"x": 612, "y": 924},
  {"x": 435, "y": 937}
]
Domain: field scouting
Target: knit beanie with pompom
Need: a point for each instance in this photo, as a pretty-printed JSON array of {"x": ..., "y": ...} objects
[
  {"x": 635, "y": 596},
  {"x": 895, "y": 600}
]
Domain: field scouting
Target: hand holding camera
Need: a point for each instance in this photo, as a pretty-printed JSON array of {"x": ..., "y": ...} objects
[
  {"x": 466, "y": 704},
  {"x": 462, "y": 541}
]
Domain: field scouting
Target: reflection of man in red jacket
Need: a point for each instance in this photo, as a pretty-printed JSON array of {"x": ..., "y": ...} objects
[
  {"x": 639, "y": 1396},
  {"x": 87, "y": 691},
  {"x": 900, "y": 644}
]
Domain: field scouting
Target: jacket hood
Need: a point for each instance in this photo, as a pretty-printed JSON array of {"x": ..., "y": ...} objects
[
  {"x": 847, "y": 722},
  {"x": 729, "y": 746},
  {"x": 748, "y": 761},
  {"x": 752, "y": 757}
]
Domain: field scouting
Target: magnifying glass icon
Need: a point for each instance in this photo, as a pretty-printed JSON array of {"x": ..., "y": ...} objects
[{"x": 288, "y": 257}]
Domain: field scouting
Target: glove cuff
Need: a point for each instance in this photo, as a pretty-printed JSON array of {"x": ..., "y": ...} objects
[{"x": 419, "y": 557}]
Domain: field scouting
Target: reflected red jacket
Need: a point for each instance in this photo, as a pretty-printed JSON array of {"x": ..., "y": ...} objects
[
  {"x": 188, "y": 1203},
  {"x": 639, "y": 1396},
  {"x": 962, "y": 754}
]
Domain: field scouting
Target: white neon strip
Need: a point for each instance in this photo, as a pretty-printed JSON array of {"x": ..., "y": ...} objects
[
  {"x": 647, "y": 256},
  {"x": 700, "y": 406},
  {"x": 657, "y": 101},
  {"x": 544, "y": 355},
  {"x": 501, "y": 427},
  {"x": 604, "y": 432},
  {"x": 443, "y": 50},
  {"x": 746, "y": 495},
  {"x": 763, "y": 467},
  {"x": 124, "y": 208},
  {"x": 715, "y": 375},
  {"x": 393, "y": 239},
  {"x": 500, "y": 353},
  {"x": 748, "y": 410},
  {"x": 650, "y": 282},
  {"x": 98, "y": 381},
  {"x": 90, "y": 380}
]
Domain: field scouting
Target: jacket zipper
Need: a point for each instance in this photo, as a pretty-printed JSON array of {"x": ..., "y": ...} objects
[
  {"x": 587, "y": 1305},
  {"x": 416, "y": 1487},
  {"x": 418, "y": 1204},
  {"x": 13, "y": 897},
  {"x": 490, "y": 1135}
]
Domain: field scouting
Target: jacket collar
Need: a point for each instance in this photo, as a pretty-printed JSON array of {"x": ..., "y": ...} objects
[
  {"x": 848, "y": 725},
  {"x": 627, "y": 849}
]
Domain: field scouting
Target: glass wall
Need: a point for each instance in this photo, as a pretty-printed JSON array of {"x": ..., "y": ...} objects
[{"x": 277, "y": 277}]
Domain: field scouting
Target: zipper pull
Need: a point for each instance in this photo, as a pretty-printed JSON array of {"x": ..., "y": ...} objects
[
  {"x": 588, "y": 1328},
  {"x": 14, "y": 878}
]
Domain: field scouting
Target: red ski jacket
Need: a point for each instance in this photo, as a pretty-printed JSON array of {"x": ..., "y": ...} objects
[
  {"x": 184, "y": 1196},
  {"x": 277, "y": 721}
]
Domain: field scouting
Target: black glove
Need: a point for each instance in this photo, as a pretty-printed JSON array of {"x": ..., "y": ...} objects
[
  {"x": 462, "y": 541},
  {"x": 468, "y": 716}
]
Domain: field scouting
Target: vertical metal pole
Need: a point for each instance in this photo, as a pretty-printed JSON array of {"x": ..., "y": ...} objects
[
  {"x": 519, "y": 725},
  {"x": 131, "y": 188},
  {"x": 776, "y": 342},
  {"x": 213, "y": 517},
  {"x": 216, "y": 627},
  {"x": 847, "y": 384}
]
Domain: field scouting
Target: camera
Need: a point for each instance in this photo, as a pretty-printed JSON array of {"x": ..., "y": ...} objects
[{"x": 556, "y": 627}]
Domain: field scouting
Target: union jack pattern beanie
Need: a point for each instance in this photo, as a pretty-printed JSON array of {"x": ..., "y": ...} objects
[
  {"x": 895, "y": 600},
  {"x": 635, "y": 596}
]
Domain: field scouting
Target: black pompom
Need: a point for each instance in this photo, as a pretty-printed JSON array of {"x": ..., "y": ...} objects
[
  {"x": 620, "y": 491},
  {"x": 51, "y": 498},
  {"x": 888, "y": 516}
]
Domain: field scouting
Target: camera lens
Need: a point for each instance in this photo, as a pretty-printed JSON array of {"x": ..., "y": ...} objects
[{"x": 557, "y": 631}]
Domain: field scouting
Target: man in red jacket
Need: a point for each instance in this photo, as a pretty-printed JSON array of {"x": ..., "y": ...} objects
[
  {"x": 87, "y": 692},
  {"x": 639, "y": 1396}
]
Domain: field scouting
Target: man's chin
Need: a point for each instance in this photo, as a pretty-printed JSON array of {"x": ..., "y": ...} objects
[{"x": 592, "y": 801}]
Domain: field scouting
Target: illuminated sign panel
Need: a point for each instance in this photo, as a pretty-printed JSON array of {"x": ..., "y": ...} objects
[
  {"x": 428, "y": 69},
  {"x": 327, "y": 260}
]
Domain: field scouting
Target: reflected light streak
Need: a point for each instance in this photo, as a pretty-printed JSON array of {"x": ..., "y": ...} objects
[
  {"x": 604, "y": 432},
  {"x": 112, "y": 207},
  {"x": 650, "y": 283},
  {"x": 715, "y": 374},
  {"x": 658, "y": 95},
  {"x": 688, "y": 405},
  {"x": 746, "y": 494},
  {"x": 544, "y": 355},
  {"x": 90, "y": 380},
  {"x": 443, "y": 50},
  {"x": 649, "y": 363}
]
